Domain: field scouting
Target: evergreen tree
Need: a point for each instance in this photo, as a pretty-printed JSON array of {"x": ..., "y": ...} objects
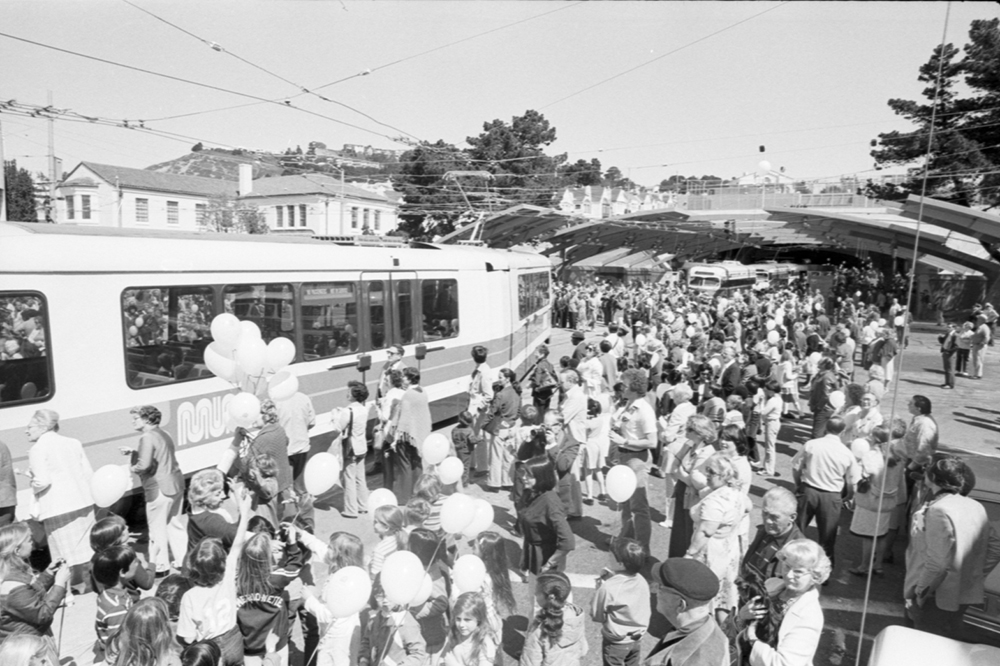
[{"x": 20, "y": 193}]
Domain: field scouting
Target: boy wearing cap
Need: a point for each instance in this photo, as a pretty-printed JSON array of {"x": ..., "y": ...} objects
[{"x": 686, "y": 591}]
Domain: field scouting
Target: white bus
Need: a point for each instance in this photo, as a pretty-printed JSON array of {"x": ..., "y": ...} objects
[
  {"x": 721, "y": 277},
  {"x": 773, "y": 275},
  {"x": 105, "y": 319}
]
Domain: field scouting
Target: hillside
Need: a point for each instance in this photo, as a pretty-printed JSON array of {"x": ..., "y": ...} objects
[{"x": 222, "y": 165}]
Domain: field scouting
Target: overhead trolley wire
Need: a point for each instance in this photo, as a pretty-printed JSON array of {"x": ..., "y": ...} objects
[{"x": 664, "y": 55}]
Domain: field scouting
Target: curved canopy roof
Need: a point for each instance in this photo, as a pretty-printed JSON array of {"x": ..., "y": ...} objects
[{"x": 949, "y": 235}]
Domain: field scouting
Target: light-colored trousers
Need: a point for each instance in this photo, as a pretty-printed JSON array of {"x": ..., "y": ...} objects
[
  {"x": 770, "y": 430},
  {"x": 978, "y": 360},
  {"x": 501, "y": 457},
  {"x": 355, "y": 485},
  {"x": 162, "y": 541}
]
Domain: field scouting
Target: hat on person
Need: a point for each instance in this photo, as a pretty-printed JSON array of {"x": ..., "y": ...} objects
[
  {"x": 689, "y": 578},
  {"x": 577, "y": 337}
]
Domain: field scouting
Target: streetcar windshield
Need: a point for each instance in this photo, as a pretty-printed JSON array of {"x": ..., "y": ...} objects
[{"x": 701, "y": 281}]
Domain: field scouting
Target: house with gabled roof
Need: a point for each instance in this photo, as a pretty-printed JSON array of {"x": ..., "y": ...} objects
[{"x": 114, "y": 196}]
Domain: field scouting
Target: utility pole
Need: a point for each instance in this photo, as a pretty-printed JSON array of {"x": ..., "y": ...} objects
[
  {"x": 53, "y": 208},
  {"x": 3, "y": 181}
]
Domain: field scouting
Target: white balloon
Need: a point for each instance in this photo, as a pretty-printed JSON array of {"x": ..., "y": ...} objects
[
  {"x": 469, "y": 573},
  {"x": 251, "y": 354},
  {"x": 621, "y": 483},
  {"x": 244, "y": 409},
  {"x": 249, "y": 329},
  {"x": 221, "y": 367},
  {"x": 456, "y": 513},
  {"x": 381, "y": 497},
  {"x": 280, "y": 352},
  {"x": 426, "y": 587},
  {"x": 436, "y": 448},
  {"x": 837, "y": 399},
  {"x": 769, "y": 324},
  {"x": 282, "y": 386},
  {"x": 860, "y": 447},
  {"x": 139, "y": 321},
  {"x": 873, "y": 463},
  {"x": 763, "y": 167},
  {"x": 226, "y": 329},
  {"x": 450, "y": 470},
  {"x": 482, "y": 519}
]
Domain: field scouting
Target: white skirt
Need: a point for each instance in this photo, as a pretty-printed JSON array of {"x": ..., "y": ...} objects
[{"x": 69, "y": 536}]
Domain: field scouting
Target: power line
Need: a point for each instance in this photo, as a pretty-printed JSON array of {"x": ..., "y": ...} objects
[
  {"x": 660, "y": 57},
  {"x": 209, "y": 86}
]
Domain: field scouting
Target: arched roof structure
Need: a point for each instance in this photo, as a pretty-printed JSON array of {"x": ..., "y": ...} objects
[{"x": 950, "y": 235}]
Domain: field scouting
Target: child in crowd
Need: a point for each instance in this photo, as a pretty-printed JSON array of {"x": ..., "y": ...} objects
[
  {"x": 557, "y": 634},
  {"x": 432, "y": 614},
  {"x": 464, "y": 442},
  {"x": 202, "y": 653},
  {"x": 109, "y": 566},
  {"x": 734, "y": 411},
  {"x": 113, "y": 531},
  {"x": 208, "y": 518},
  {"x": 145, "y": 638},
  {"x": 341, "y": 637},
  {"x": 208, "y": 610},
  {"x": 172, "y": 589},
  {"x": 28, "y": 650},
  {"x": 470, "y": 641},
  {"x": 621, "y": 604},
  {"x": 428, "y": 487},
  {"x": 389, "y": 523},
  {"x": 418, "y": 511},
  {"x": 261, "y": 595},
  {"x": 595, "y": 453},
  {"x": 392, "y": 636},
  {"x": 496, "y": 590}
]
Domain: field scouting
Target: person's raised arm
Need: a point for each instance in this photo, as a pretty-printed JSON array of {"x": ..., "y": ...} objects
[{"x": 245, "y": 502}]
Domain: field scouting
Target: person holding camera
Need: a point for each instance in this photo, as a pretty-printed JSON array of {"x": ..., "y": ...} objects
[{"x": 28, "y": 600}]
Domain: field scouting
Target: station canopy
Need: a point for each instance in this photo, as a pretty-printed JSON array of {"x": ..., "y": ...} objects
[{"x": 951, "y": 237}]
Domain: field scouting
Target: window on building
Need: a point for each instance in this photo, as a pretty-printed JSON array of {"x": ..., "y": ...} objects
[
  {"x": 70, "y": 207},
  {"x": 166, "y": 330},
  {"x": 302, "y": 215},
  {"x": 85, "y": 206},
  {"x": 439, "y": 303},
  {"x": 200, "y": 214},
  {"x": 365, "y": 217},
  {"x": 378, "y": 220},
  {"x": 329, "y": 319},
  {"x": 142, "y": 211},
  {"x": 281, "y": 215},
  {"x": 26, "y": 365},
  {"x": 532, "y": 293},
  {"x": 291, "y": 215},
  {"x": 270, "y": 306},
  {"x": 173, "y": 212},
  {"x": 354, "y": 217},
  {"x": 376, "y": 314}
]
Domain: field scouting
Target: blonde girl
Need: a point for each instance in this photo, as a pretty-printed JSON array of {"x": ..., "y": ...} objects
[
  {"x": 390, "y": 527},
  {"x": 470, "y": 641}
]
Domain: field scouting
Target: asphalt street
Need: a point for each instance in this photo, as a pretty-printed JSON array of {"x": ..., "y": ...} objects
[{"x": 969, "y": 423}]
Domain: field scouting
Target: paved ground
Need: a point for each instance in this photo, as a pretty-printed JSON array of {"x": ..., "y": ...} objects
[{"x": 969, "y": 422}]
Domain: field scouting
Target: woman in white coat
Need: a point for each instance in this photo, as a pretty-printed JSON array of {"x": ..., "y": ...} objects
[{"x": 60, "y": 478}]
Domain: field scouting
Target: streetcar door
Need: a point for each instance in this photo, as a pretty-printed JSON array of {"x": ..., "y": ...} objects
[
  {"x": 377, "y": 306},
  {"x": 405, "y": 312}
]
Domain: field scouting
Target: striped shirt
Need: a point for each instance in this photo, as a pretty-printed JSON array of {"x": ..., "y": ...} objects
[{"x": 112, "y": 604}]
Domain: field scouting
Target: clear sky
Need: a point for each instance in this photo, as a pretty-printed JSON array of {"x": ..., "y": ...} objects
[{"x": 809, "y": 80}]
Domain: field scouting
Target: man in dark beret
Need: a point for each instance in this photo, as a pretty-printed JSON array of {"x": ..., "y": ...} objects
[{"x": 685, "y": 591}]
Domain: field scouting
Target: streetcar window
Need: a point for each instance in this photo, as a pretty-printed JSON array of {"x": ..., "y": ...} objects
[
  {"x": 376, "y": 314},
  {"x": 25, "y": 361},
  {"x": 439, "y": 300},
  {"x": 697, "y": 281},
  {"x": 270, "y": 306},
  {"x": 532, "y": 293},
  {"x": 404, "y": 311},
  {"x": 329, "y": 319},
  {"x": 166, "y": 330}
]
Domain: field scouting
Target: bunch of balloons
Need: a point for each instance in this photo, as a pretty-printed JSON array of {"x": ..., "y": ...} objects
[{"x": 239, "y": 356}]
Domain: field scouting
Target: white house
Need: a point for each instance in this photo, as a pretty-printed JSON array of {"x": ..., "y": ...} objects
[
  {"x": 597, "y": 202},
  {"x": 325, "y": 205},
  {"x": 113, "y": 196}
]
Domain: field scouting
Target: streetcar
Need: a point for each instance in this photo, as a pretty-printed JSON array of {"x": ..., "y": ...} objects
[
  {"x": 720, "y": 278},
  {"x": 95, "y": 321},
  {"x": 774, "y": 275}
]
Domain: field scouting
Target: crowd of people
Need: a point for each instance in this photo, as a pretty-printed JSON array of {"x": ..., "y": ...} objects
[{"x": 680, "y": 389}]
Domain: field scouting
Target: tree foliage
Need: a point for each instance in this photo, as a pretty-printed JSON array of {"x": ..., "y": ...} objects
[
  {"x": 19, "y": 193},
  {"x": 581, "y": 173},
  {"x": 229, "y": 216},
  {"x": 505, "y": 165},
  {"x": 963, "y": 157}
]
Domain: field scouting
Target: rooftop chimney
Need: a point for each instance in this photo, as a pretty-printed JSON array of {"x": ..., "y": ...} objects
[{"x": 246, "y": 179}]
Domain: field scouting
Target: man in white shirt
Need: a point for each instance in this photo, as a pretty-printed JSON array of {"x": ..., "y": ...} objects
[
  {"x": 824, "y": 469},
  {"x": 296, "y": 416},
  {"x": 617, "y": 346}
]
